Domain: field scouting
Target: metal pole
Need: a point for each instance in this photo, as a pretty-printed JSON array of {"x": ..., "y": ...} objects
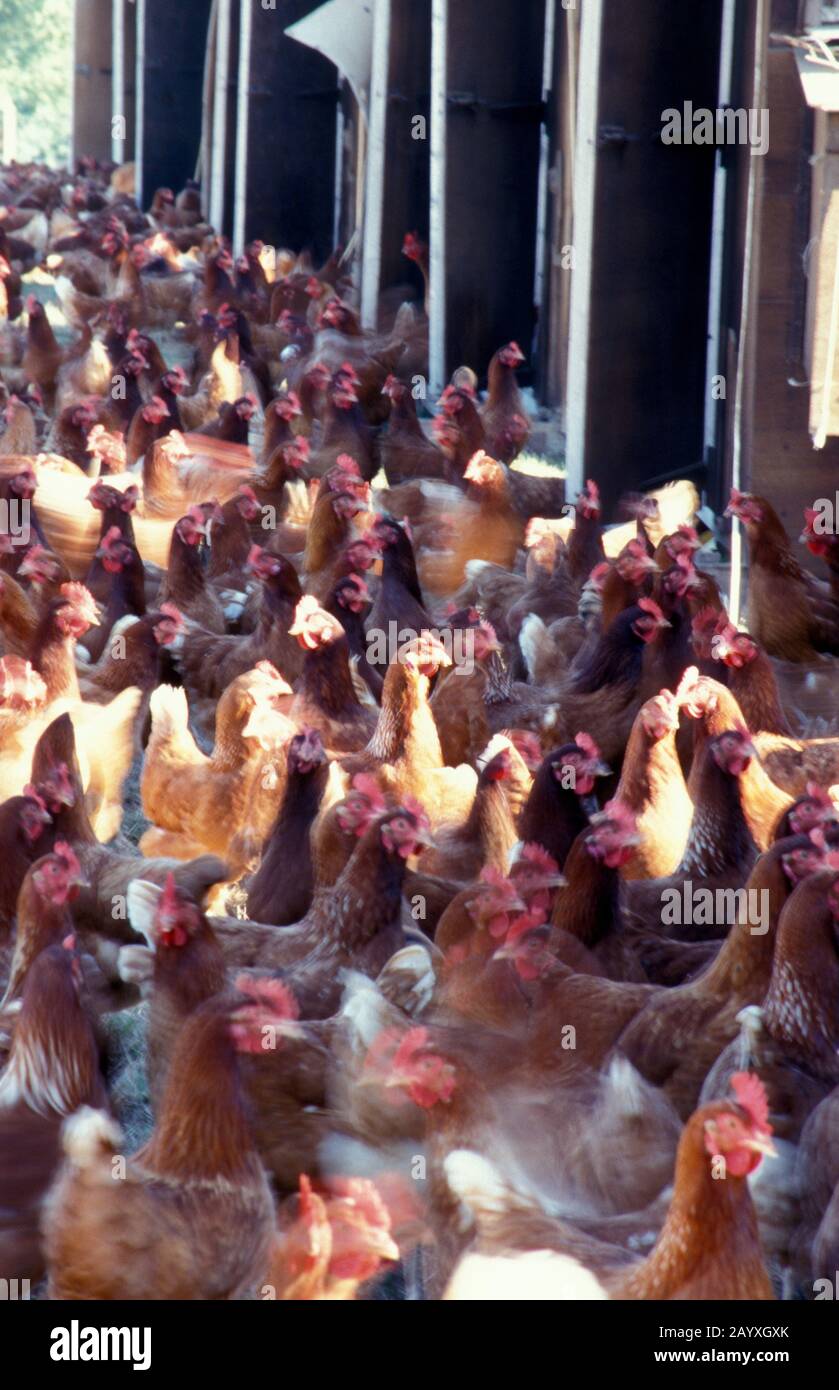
[
  {"x": 544, "y": 155},
  {"x": 712, "y": 361},
  {"x": 339, "y": 170},
  {"x": 217, "y": 172},
  {"x": 735, "y": 587},
  {"x": 371, "y": 266},
  {"x": 141, "y": 100},
  {"x": 584, "y": 184},
  {"x": 240, "y": 197},
  {"x": 118, "y": 79},
  {"x": 437, "y": 200}
]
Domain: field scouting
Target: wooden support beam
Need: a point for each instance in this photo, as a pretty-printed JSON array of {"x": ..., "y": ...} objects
[
  {"x": 778, "y": 458},
  {"x": 240, "y": 196},
  {"x": 219, "y": 136},
  {"x": 92, "y": 60},
  {"x": 119, "y": 129},
  {"x": 437, "y": 198},
  {"x": 371, "y": 264}
]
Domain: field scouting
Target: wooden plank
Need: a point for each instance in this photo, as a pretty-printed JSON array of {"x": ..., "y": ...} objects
[
  {"x": 172, "y": 75},
  {"x": 374, "y": 193},
  {"x": 92, "y": 80},
  {"x": 781, "y": 461}
]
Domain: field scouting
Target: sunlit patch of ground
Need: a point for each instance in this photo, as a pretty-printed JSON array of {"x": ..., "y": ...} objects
[{"x": 538, "y": 466}]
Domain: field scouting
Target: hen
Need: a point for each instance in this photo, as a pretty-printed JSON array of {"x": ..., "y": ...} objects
[
  {"x": 222, "y": 802},
  {"x": 193, "y": 1216}
]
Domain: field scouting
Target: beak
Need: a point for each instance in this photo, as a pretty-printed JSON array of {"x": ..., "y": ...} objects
[
  {"x": 265, "y": 724},
  {"x": 423, "y": 839},
  {"x": 761, "y": 1146},
  {"x": 750, "y": 751},
  {"x": 288, "y": 1028},
  {"x": 382, "y": 1244},
  {"x": 517, "y": 904}
]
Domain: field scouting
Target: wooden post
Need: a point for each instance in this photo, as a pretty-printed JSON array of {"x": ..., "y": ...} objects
[
  {"x": 437, "y": 198},
  {"x": 218, "y": 160},
  {"x": 119, "y": 129},
  {"x": 375, "y": 173},
  {"x": 240, "y": 204},
  {"x": 92, "y": 80},
  {"x": 585, "y": 173},
  {"x": 777, "y": 457}
]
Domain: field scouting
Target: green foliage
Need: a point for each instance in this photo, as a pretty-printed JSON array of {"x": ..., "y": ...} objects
[{"x": 35, "y": 62}]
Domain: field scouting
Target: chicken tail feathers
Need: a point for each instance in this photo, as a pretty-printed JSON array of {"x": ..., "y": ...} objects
[
  {"x": 481, "y": 1188},
  {"x": 89, "y": 1135},
  {"x": 169, "y": 711}
]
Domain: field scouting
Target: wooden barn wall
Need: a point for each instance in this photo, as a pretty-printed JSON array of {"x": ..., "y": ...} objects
[
  {"x": 92, "y": 80},
  {"x": 175, "y": 39},
  {"x": 291, "y": 138},
  {"x": 494, "y": 82},
  {"x": 553, "y": 327},
  {"x": 780, "y": 460},
  {"x": 407, "y": 158},
  {"x": 653, "y": 207}
]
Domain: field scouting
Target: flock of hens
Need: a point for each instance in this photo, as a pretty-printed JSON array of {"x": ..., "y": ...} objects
[{"x": 345, "y": 773}]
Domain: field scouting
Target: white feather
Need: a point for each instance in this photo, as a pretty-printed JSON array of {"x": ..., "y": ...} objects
[
  {"x": 534, "y": 1276},
  {"x": 532, "y": 636},
  {"x": 87, "y": 1133},
  {"x": 142, "y": 899}
]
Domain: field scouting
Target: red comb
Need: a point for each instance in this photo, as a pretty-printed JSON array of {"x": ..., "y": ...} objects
[
  {"x": 272, "y": 993},
  {"x": 750, "y": 1093}
]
